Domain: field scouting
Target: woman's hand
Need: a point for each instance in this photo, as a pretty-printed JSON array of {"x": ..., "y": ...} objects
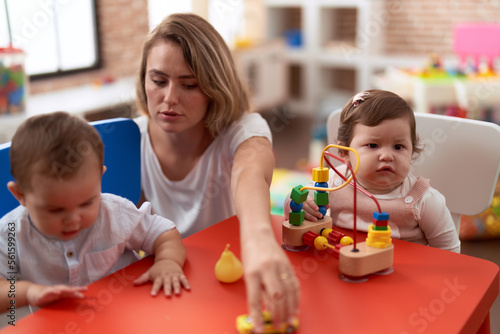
[
  {"x": 269, "y": 276},
  {"x": 270, "y": 279}
]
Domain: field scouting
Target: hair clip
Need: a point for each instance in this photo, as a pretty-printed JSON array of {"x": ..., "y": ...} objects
[{"x": 358, "y": 98}]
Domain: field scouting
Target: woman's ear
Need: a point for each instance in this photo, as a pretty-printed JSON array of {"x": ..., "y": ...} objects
[{"x": 16, "y": 191}]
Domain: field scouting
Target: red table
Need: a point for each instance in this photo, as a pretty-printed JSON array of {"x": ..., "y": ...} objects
[{"x": 430, "y": 291}]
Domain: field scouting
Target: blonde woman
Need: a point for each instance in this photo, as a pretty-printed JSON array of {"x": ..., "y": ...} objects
[{"x": 206, "y": 157}]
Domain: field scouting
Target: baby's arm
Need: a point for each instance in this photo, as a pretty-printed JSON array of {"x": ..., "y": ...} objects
[
  {"x": 27, "y": 293},
  {"x": 437, "y": 223},
  {"x": 170, "y": 256}
]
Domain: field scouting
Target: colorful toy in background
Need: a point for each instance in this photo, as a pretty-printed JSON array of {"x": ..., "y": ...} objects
[
  {"x": 293, "y": 38},
  {"x": 450, "y": 110},
  {"x": 106, "y": 80},
  {"x": 434, "y": 69},
  {"x": 356, "y": 260},
  {"x": 468, "y": 89},
  {"x": 13, "y": 81},
  {"x": 468, "y": 68},
  {"x": 483, "y": 226}
]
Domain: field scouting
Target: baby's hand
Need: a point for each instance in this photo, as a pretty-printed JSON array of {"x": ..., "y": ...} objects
[
  {"x": 166, "y": 273},
  {"x": 38, "y": 295},
  {"x": 311, "y": 210}
]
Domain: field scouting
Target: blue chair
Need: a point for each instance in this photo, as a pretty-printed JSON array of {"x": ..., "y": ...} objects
[{"x": 122, "y": 159}]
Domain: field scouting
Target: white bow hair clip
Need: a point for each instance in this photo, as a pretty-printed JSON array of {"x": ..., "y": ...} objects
[{"x": 358, "y": 98}]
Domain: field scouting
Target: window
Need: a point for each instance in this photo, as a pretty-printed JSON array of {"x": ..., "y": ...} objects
[{"x": 57, "y": 35}]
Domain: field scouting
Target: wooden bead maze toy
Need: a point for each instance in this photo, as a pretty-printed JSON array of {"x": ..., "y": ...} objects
[{"x": 356, "y": 260}]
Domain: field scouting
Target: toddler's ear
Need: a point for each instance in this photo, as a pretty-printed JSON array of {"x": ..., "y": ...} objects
[
  {"x": 16, "y": 191},
  {"x": 344, "y": 154},
  {"x": 104, "y": 169}
]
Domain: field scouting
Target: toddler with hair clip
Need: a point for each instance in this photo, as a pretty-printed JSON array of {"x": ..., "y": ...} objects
[{"x": 381, "y": 127}]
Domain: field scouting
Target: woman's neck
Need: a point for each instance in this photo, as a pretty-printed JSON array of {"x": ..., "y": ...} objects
[
  {"x": 178, "y": 153},
  {"x": 193, "y": 141}
]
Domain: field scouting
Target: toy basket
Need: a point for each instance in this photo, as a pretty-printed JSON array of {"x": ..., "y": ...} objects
[{"x": 485, "y": 225}]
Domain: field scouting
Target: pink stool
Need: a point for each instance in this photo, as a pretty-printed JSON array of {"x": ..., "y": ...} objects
[{"x": 477, "y": 40}]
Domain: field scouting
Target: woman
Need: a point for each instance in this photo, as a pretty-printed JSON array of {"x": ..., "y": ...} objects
[{"x": 205, "y": 157}]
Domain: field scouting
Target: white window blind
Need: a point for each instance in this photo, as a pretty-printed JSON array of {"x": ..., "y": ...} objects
[{"x": 56, "y": 35}]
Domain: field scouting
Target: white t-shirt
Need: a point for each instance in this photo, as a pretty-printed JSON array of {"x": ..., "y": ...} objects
[
  {"x": 203, "y": 197},
  {"x": 100, "y": 250}
]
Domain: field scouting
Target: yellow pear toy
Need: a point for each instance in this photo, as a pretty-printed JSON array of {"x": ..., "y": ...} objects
[{"x": 228, "y": 269}]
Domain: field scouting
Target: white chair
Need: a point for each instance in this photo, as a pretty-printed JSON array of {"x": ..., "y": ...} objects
[{"x": 461, "y": 157}]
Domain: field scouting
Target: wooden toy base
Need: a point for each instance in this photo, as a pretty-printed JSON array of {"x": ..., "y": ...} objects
[
  {"x": 367, "y": 260},
  {"x": 292, "y": 234}
]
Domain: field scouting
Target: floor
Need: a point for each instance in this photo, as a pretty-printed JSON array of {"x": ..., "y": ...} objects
[{"x": 291, "y": 142}]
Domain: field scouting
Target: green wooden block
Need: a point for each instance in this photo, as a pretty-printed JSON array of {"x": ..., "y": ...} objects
[
  {"x": 379, "y": 228},
  {"x": 296, "y": 218},
  {"x": 299, "y": 196},
  {"x": 321, "y": 198}
]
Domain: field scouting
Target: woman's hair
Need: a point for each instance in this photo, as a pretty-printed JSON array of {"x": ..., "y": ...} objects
[
  {"x": 210, "y": 60},
  {"x": 54, "y": 145},
  {"x": 370, "y": 108}
]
